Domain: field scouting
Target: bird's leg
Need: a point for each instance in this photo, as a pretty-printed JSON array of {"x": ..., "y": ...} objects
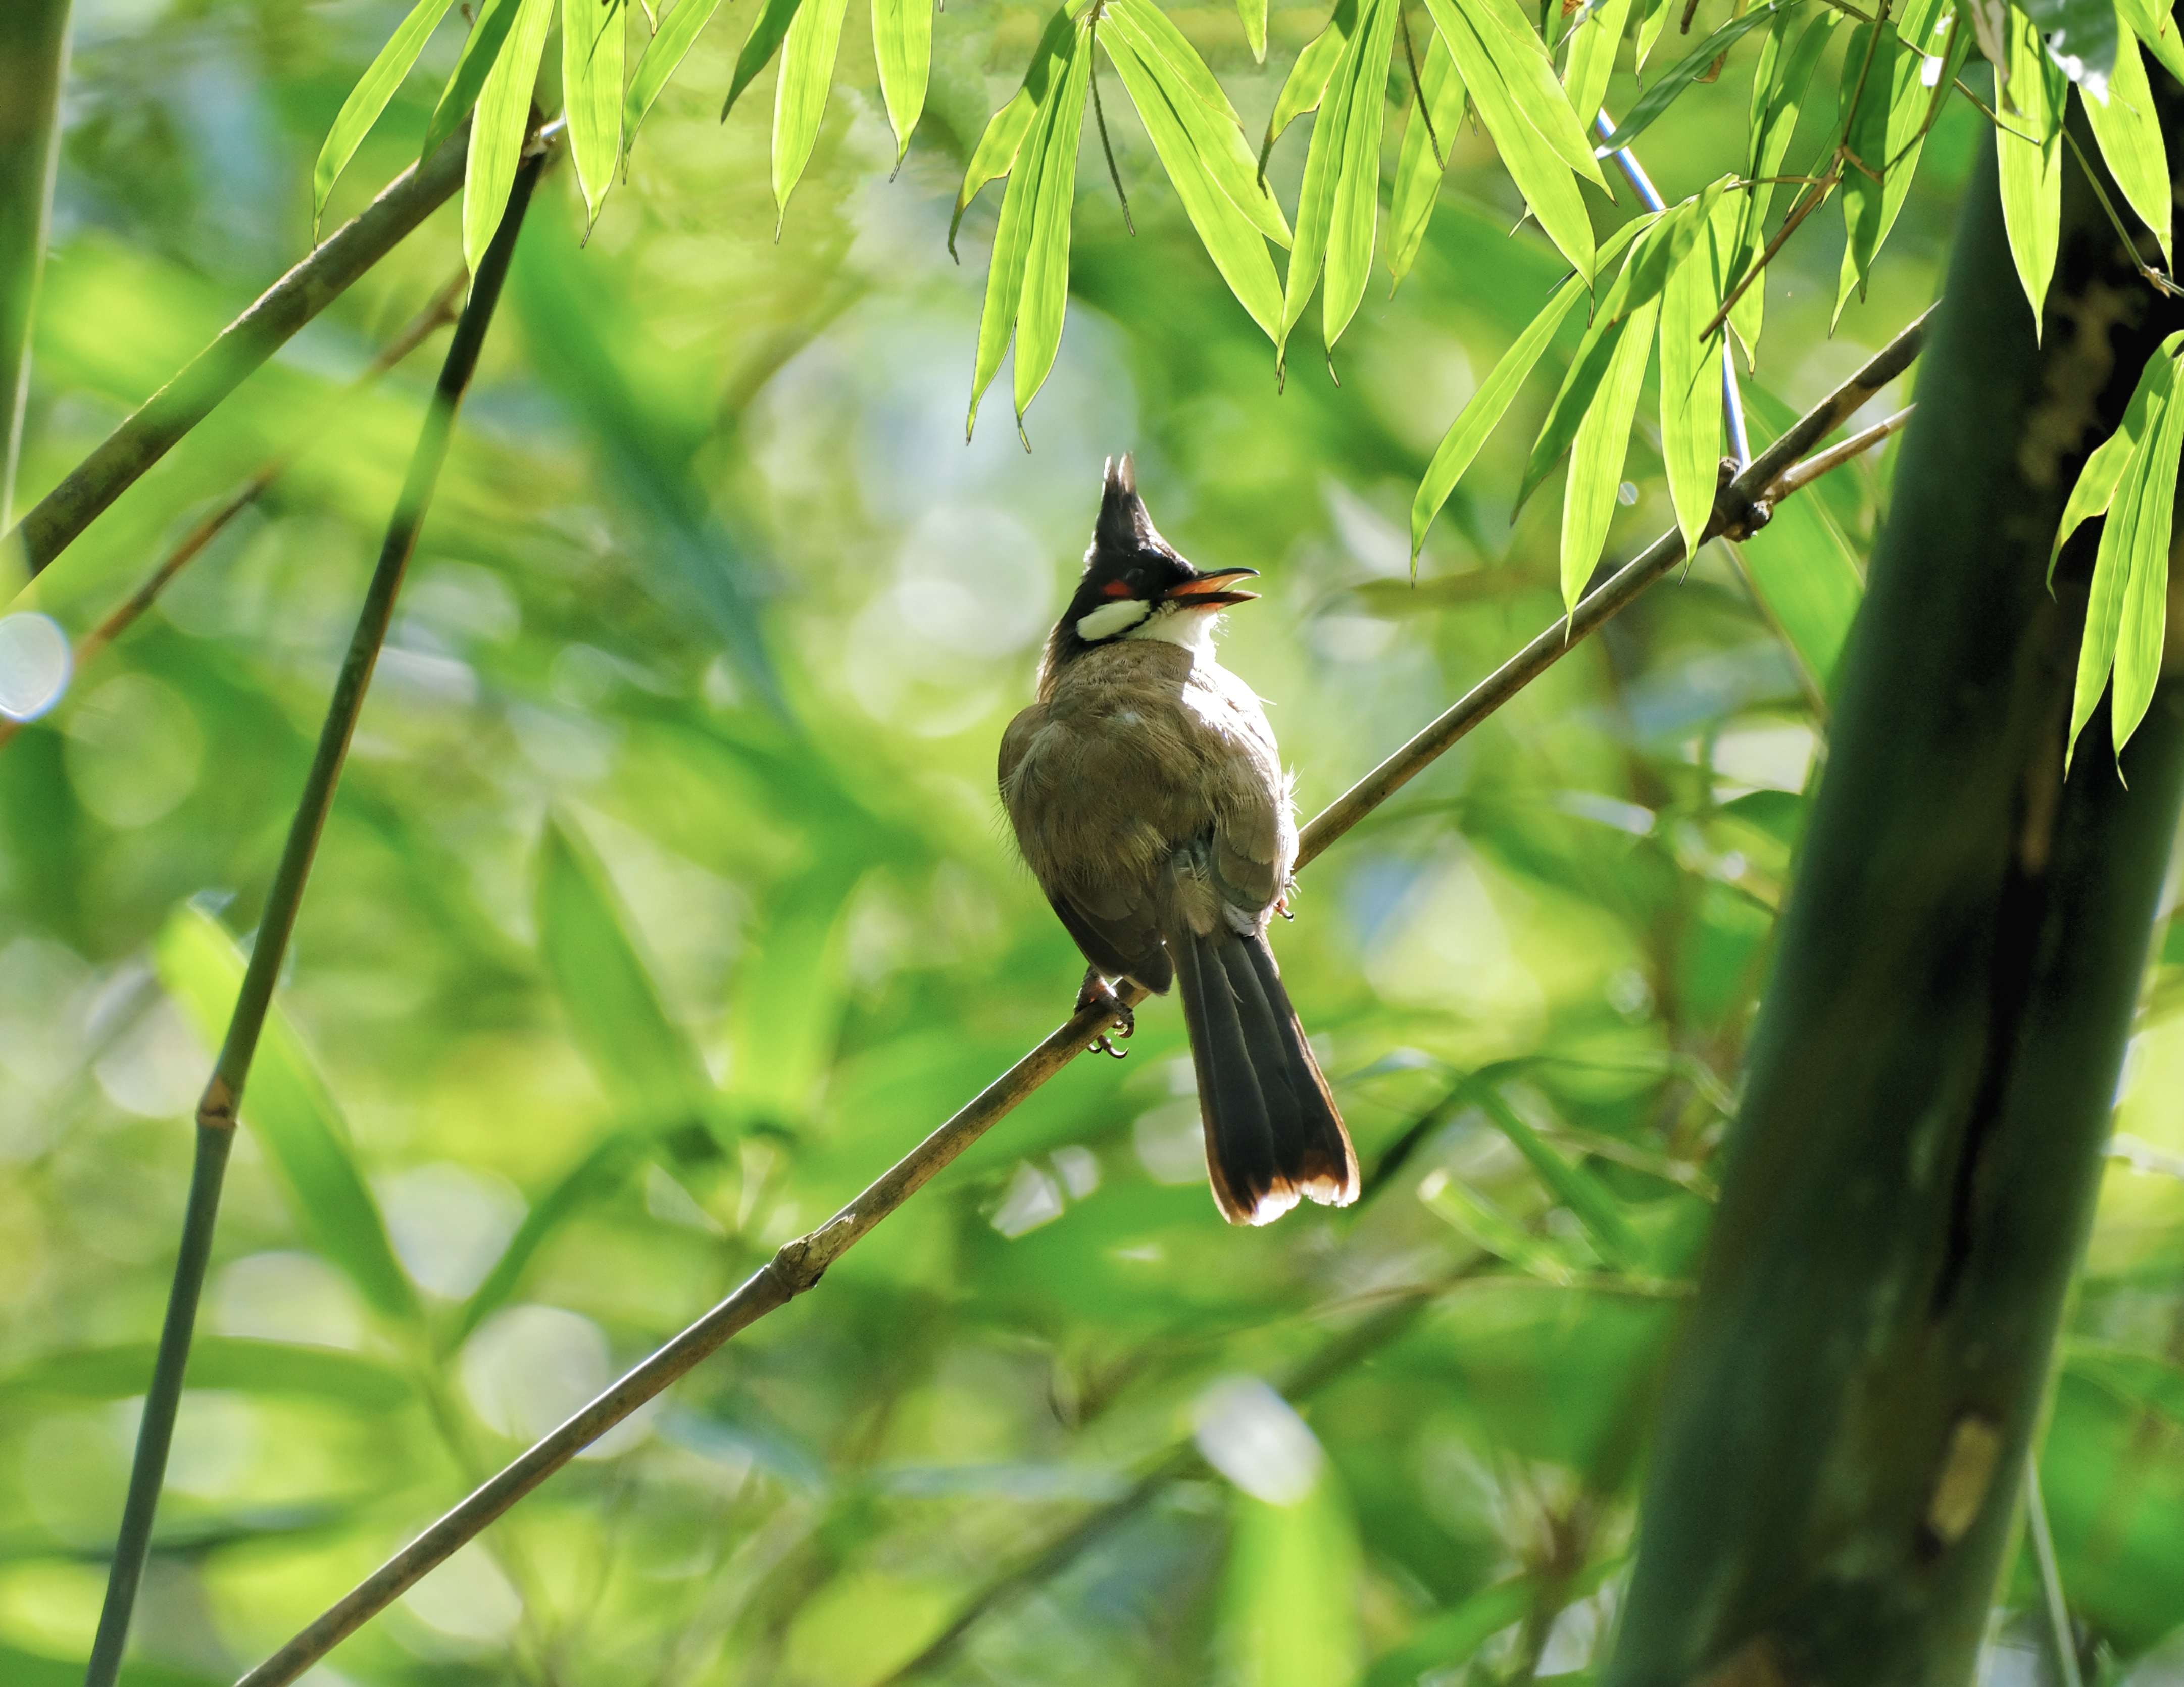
[{"x": 1120, "y": 1017}]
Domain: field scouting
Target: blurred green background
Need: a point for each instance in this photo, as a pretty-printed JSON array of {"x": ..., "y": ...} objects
[{"x": 666, "y": 901}]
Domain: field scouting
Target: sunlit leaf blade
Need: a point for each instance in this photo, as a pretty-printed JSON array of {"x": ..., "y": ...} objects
[
  {"x": 592, "y": 32},
  {"x": 642, "y": 1060},
  {"x": 1486, "y": 408},
  {"x": 758, "y": 48},
  {"x": 1419, "y": 167},
  {"x": 2126, "y": 549},
  {"x": 1651, "y": 21},
  {"x": 1691, "y": 371},
  {"x": 1354, "y": 214},
  {"x": 1932, "y": 46},
  {"x": 2081, "y": 38},
  {"x": 1543, "y": 178},
  {"x": 2028, "y": 149},
  {"x": 2146, "y": 504},
  {"x": 1688, "y": 70},
  {"x": 1046, "y": 251},
  {"x": 2154, "y": 23},
  {"x": 497, "y": 131},
  {"x": 1279, "y": 1621},
  {"x": 1597, "y": 453},
  {"x": 1236, "y": 245},
  {"x": 1215, "y": 132},
  {"x": 995, "y": 154},
  {"x": 288, "y": 1106},
  {"x": 369, "y": 98},
  {"x": 902, "y": 42},
  {"x": 1866, "y": 134},
  {"x": 799, "y": 96},
  {"x": 598, "y": 1175},
  {"x": 663, "y": 55},
  {"x": 1593, "y": 46},
  {"x": 1305, "y": 85},
  {"x": 1254, "y": 15},
  {"x": 480, "y": 49},
  {"x": 1793, "y": 47},
  {"x": 1324, "y": 161},
  {"x": 2130, "y": 140},
  {"x": 1575, "y": 1187},
  {"x": 1528, "y": 75},
  {"x": 2103, "y": 471}
]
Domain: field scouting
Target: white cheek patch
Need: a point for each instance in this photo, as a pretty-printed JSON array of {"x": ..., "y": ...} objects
[
  {"x": 1110, "y": 619},
  {"x": 1191, "y": 628}
]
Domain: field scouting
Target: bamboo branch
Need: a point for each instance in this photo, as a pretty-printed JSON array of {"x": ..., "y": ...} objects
[
  {"x": 422, "y": 327},
  {"x": 1739, "y": 507},
  {"x": 223, "y": 1095},
  {"x": 268, "y": 324}
]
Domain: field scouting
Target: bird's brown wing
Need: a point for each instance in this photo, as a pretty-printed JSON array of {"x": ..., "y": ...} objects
[{"x": 1248, "y": 794}]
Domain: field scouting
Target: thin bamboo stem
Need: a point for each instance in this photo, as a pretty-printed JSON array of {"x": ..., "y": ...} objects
[
  {"x": 422, "y": 327},
  {"x": 799, "y": 1264},
  {"x": 223, "y": 1095}
]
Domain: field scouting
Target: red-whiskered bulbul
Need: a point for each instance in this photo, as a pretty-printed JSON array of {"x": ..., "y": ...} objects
[{"x": 1149, "y": 798}]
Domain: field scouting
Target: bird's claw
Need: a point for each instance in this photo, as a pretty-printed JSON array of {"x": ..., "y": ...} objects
[{"x": 1120, "y": 1016}]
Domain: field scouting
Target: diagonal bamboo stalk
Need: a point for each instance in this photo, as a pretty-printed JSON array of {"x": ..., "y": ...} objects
[
  {"x": 1740, "y": 507},
  {"x": 223, "y": 1095}
]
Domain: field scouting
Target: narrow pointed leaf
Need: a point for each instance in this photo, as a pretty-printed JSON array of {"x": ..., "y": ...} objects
[
  {"x": 2103, "y": 471},
  {"x": 1418, "y": 169},
  {"x": 369, "y": 98},
  {"x": 1675, "y": 81},
  {"x": 1305, "y": 85},
  {"x": 663, "y": 54},
  {"x": 765, "y": 35},
  {"x": 1592, "y": 47},
  {"x": 1528, "y": 75},
  {"x": 1651, "y": 21},
  {"x": 800, "y": 94},
  {"x": 1691, "y": 371},
  {"x": 1322, "y": 171},
  {"x": 1543, "y": 178},
  {"x": 1597, "y": 453},
  {"x": 2031, "y": 168},
  {"x": 1046, "y": 253},
  {"x": 1793, "y": 47},
  {"x": 1486, "y": 408},
  {"x": 902, "y": 43},
  {"x": 481, "y": 48},
  {"x": 2154, "y": 23},
  {"x": 1354, "y": 214},
  {"x": 2130, "y": 141},
  {"x": 497, "y": 131},
  {"x": 995, "y": 154},
  {"x": 592, "y": 32},
  {"x": 289, "y": 1107},
  {"x": 1866, "y": 135},
  {"x": 2081, "y": 38},
  {"x": 1934, "y": 44},
  {"x": 1236, "y": 245},
  {"x": 1574, "y": 1187},
  {"x": 1254, "y": 15},
  {"x": 2143, "y": 547},
  {"x": 1472, "y": 1215}
]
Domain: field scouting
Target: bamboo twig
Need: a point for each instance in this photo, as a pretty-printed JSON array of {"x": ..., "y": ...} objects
[
  {"x": 2051, "y": 1578},
  {"x": 436, "y": 315},
  {"x": 223, "y": 1095},
  {"x": 797, "y": 1265}
]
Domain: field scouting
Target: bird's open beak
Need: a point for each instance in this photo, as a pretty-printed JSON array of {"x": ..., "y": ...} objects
[{"x": 1204, "y": 591}]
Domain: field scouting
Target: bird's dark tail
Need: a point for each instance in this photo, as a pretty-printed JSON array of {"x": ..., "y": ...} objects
[{"x": 1271, "y": 1131}]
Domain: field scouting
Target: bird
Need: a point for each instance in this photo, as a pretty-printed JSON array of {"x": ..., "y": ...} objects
[{"x": 1147, "y": 794}]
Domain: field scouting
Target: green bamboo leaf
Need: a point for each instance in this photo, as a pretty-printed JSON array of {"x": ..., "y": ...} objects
[
  {"x": 239, "y": 1364},
  {"x": 2125, "y": 550},
  {"x": 902, "y": 43},
  {"x": 662, "y": 56},
  {"x": 592, "y": 34},
  {"x": 1528, "y": 76},
  {"x": 1254, "y": 15},
  {"x": 1593, "y": 40},
  {"x": 1486, "y": 408},
  {"x": 1277, "y": 1620},
  {"x": 1597, "y": 453},
  {"x": 1866, "y": 134},
  {"x": 596, "y": 1177},
  {"x": 1575, "y": 1187},
  {"x": 1215, "y": 133},
  {"x": 1931, "y": 41},
  {"x": 1305, "y": 85},
  {"x": 1355, "y": 93},
  {"x": 2149, "y": 508},
  {"x": 1419, "y": 168},
  {"x": 1690, "y": 370},
  {"x": 2154, "y": 23},
  {"x": 498, "y": 130},
  {"x": 288, "y": 1105},
  {"x": 1486, "y": 1226},
  {"x": 1687, "y": 70},
  {"x": 480, "y": 49},
  {"x": 2098, "y": 480},
  {"x": 1540, "y": 176},
  {"x": 2080, "y": 37},
  {"x": 1651, "y": 23},
  {"x": 758, "y": 48},
  {"x": 1235, "y": 243},
  {"x": 1046, "y": 249},
  {"x": 368, "y": 99},
  {"x": 1353, "y": 215},
  {"x": 995, "y": 154},
  {"x": 2128, "y": 131},
  {"x": 800, "y": 94},
  {"x": 2031, "y": 167},
  {"x": 1793, "y": 47},
  {"x": 1458, "y": 1633},
  {"x": 1805, "y": 579},
  {"x": 641, "y": 1057}
]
